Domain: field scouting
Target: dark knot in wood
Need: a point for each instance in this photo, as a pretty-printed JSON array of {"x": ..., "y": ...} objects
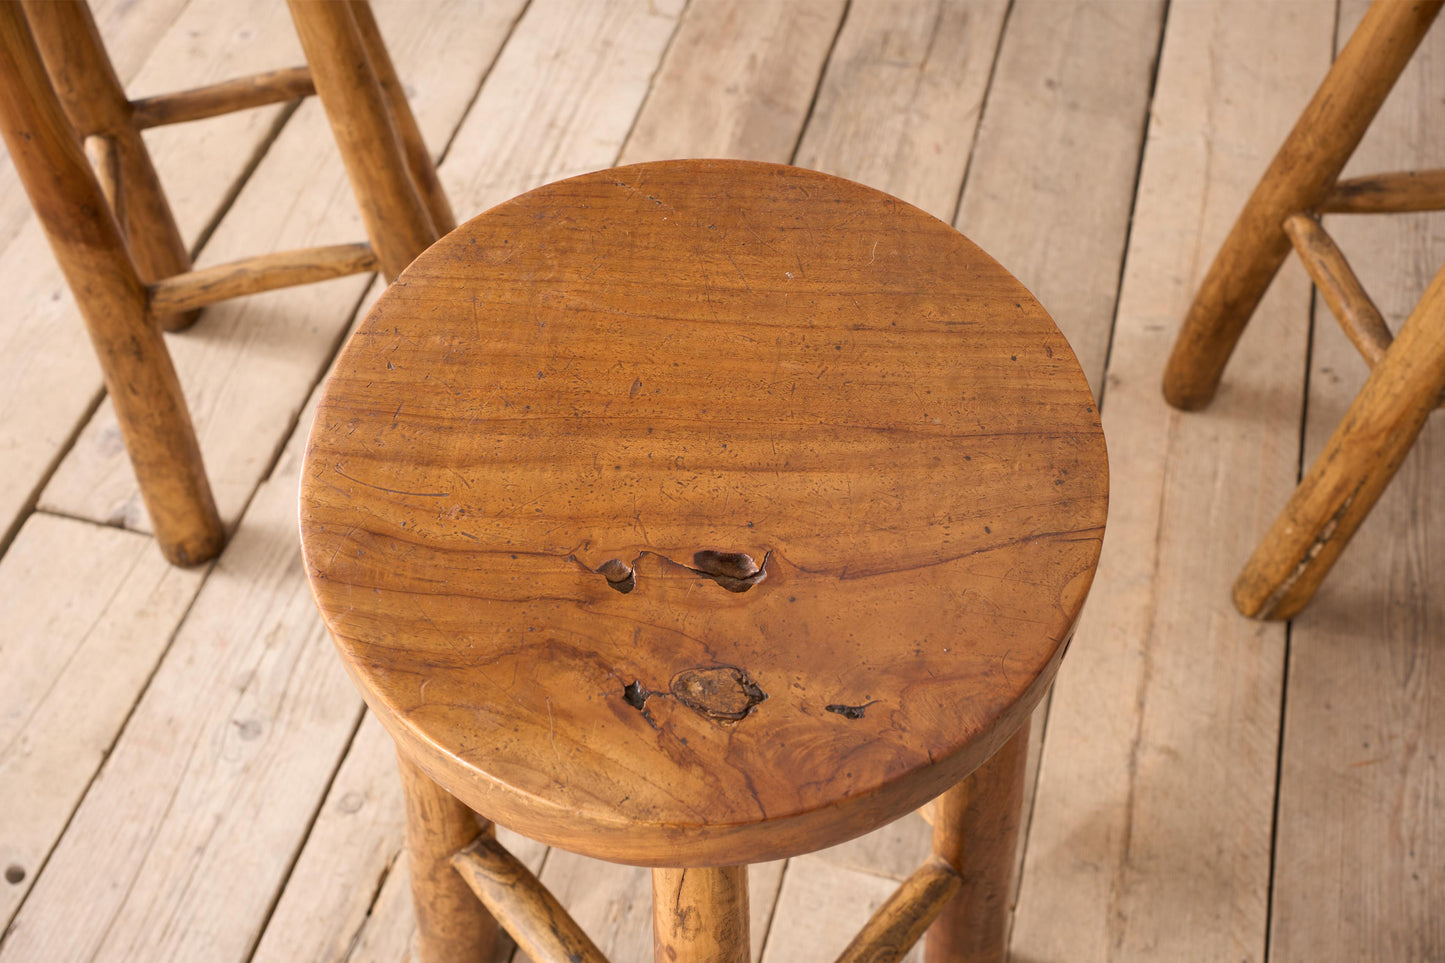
[
  {"x": 850, "y": 712},
  {"x": 734, "y": 571},
  {"x": 721, "y": 692},
  {"x": 619, "y": 575}
]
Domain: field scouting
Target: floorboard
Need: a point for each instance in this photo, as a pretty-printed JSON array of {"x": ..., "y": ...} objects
[{"x": 1361, "y": 812}]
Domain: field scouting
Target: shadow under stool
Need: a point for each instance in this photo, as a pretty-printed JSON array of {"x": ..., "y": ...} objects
[
  {"x": 76, "y": 143},
  {"x": 696, "y": 514}
]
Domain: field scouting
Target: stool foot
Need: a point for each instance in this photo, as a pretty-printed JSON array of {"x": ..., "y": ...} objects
[
  {"x": 451, "y": 926},
  {"x": 976, "y": 830},
  {"x": 700, "y": 915}
]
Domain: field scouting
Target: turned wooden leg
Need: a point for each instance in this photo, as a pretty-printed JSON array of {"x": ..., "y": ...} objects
[
  {"x": 1299, "y": 178},
  {"x": 418, "y": 158},
  {"x": 700, "y": 915},
  {"x": 976, "y": 831},
  {"x": 87, "y": 243},
  {"x": 451, "y": 924},
  {"x": 397, "y": 222},
  {"x": 95, "y": 102},
  {"x": 1350, "y": 474}
]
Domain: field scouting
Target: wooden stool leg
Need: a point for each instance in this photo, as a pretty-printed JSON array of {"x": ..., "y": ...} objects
[
  {"x": 1301, "y": 175},
  {"x": 96, "y": 104},
  {"x": 397, "y": 222},
  {"x": 976, "y": 831},
  {"x": 1350, "y": 474},
  {"x": 418, "y": 158},
  {"x": 451, "y": 924},
  {"x": 700, "y": 915},
  {"x": 87, "y": 243}
]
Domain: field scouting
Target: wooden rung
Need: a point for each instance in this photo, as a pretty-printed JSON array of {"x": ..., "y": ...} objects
[
  {"x": 284, "y": 269},
  {"x": 905, "y": 916},
  {"x": 1341, "y": 289},
  {"x": 523, "y": 906},
  {"x": 272, "y": 87},
  {"x": 1394, "y": 193}
]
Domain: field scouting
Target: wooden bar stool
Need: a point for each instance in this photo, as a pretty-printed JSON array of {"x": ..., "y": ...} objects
[
  {"x": 1407, "y": 371},
  {"x": 117, "y": 243},
  {"x": 695, "y": 514}
]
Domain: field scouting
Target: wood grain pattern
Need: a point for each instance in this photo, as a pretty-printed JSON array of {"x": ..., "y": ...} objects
[
  {"x": 764, "y": 296},
  {"x": 533, "y": 917},
  {"x": 700, "y": 915},
  {"x": 241, "y": 93},
  {"x": 899, "y": 104},
  {"x": 264, "y": 272},
  {"x": 1339, "y": 286},
  {"x": 757, "y": 64},
  {"x": 1395, "y": 192}
]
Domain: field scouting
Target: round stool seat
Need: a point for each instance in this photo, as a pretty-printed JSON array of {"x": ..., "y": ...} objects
[{"x": 703, "y": 512}]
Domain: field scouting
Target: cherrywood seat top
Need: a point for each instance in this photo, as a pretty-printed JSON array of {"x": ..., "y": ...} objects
[{"x": 540, "y": 461}]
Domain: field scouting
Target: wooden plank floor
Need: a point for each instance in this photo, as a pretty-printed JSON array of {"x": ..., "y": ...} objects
[{"x": 185, "y": 771}]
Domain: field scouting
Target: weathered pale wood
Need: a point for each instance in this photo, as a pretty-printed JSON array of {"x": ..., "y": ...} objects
[
  {"x": 244, "y": 388},
  {"x": 900, "y": 101},
  {"x": 264, "y": 272},
  {"x": 397, "y": 222},
  {"x": 242, "y": 93},
  {"x": 349, "y": 898},
  {"x": 1359, "y": 841},
  {"x": 700, "y": 915},
  {"x": 418, "y": 158},
  {"x": 86, "y": 240},
  {"x": 1167, "y": 695},
  {"x": 695, "y": 802},
  {"x": 1298, "y": 179},
  {"x": 820, "y": 908},
  {"x": 894, "y": 851},
  {"x": 1060, "y": 140},
  {"x": 899, "y": 923},
  {"x": 533, "y": 917},
  {"x": 182, "y": 840},
  {"x": 1346, "y": 297},
  {"x": 451, "y": 926},
  {"x": 87, "y": 612},
  {"x": 95, "y": 103},
  {"x": 756, "y": 65},
  {"x": 1392, "y": 193},
  {"x": 976, "y": 831}
]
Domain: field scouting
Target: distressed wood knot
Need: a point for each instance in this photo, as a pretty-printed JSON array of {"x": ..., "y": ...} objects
[
  {"x": 850, "y": 712},
  {"x": 722, "y": 692},
  {"x": 734, "y": 571},
  {"x": 619, "y": 575}
]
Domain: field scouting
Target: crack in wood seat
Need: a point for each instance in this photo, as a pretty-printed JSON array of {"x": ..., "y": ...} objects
[{"x": 700, "y": 513}]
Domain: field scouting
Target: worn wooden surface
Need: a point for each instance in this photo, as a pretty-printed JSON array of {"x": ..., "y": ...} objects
[
  {"x": 700, "y": 915},
  {"x": 1134, "y": 852},
  {"x": 1359, "y": 809},
  {"x": 1050, "y": 190},
  {"x": 998, "y": 381}
]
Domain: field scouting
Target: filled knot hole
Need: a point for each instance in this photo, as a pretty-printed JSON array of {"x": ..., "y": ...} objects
[
  {"x": 734, "y": 571},
  {"x": 619, "y": 575}
]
